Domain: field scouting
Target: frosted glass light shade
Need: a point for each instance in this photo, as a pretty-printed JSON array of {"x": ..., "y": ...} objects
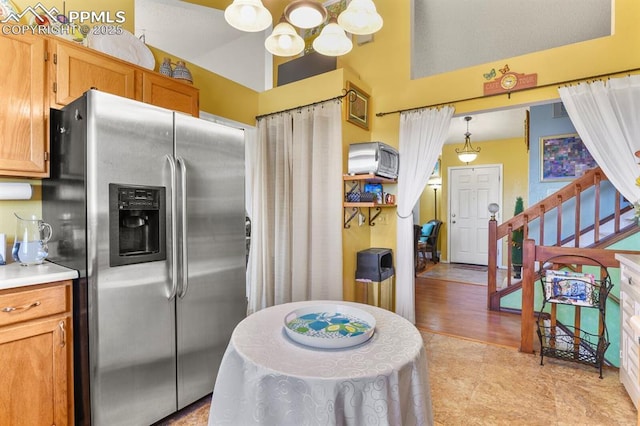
[
  {"x": 248, "y": 15},
  {"x": 284, "y": 41},
  {"x": 467, "y": 157},
  {"x": 468, "y": 153},
  {"x": 332, "y": 41},
  {"x": 305, "y": 13},
  {"x": 360, "y": 18}
]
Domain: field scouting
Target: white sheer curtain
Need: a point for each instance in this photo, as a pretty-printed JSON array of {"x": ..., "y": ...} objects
[
  {"x": 296, "y": 239},
  {"x": 606, "y": 118},
  {"x": 422, "y": 134}
]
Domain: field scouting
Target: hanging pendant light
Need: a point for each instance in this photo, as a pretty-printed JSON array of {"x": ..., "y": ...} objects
[
  {"x": 468, "y": 153},
  {"x": 284, "y": 40},
  {"x": 305, "y": 13},
  {"x": 332, "y": 40},
  {"x": 248, "y": 15},
  {"x": 360, "y": 18}
]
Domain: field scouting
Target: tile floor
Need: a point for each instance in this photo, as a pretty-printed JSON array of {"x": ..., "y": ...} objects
[
  {"x": 473, "y": 383},
  {"x": 478, "y": 384}
]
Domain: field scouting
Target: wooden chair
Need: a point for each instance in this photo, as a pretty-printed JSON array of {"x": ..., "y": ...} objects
[
  {"x": 419, "y": 263},
  {"x": 429, "y": 243}
]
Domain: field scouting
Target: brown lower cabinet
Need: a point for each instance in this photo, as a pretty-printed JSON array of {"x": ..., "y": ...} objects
[{"x": 36, "y": 355}]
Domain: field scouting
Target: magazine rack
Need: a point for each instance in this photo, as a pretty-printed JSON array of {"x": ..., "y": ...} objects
[{"x": 580, "y": 290}]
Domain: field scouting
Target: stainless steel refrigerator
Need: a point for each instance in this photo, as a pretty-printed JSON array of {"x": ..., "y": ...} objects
[{"x": 148, "y": 205}]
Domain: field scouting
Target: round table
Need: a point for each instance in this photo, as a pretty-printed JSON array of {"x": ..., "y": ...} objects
[{"x": 265, "y": 378}]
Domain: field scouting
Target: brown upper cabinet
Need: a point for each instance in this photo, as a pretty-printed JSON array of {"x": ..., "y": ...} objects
[
  {"x": 41, "y": 72},
  {"x": 76, "y": 69},
  {"x": 169, "y": 93},
  {"x": 24, "y": 145}
]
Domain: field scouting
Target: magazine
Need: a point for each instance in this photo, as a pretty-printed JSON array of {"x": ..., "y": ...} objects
[{"x": 574, "y": 288}]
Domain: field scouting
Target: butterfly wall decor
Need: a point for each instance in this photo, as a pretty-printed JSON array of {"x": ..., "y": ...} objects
[
  {"x": 505, "y": 69},
  {"x": 490, "y": 74}
]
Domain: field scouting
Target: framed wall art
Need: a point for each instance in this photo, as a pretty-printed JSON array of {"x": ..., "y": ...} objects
[
  {"x": 527, "y": 130},
  {"x": 564, "y": 157},
  {"x": 357, "y": 107},
  {"x": 436, "y": 170}
]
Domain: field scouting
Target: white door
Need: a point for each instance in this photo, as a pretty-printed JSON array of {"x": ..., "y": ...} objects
[{"x": 471, "y": 190}]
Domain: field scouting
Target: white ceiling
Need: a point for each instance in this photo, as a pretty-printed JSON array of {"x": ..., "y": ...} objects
[
  {"x": 488, "y": 126},
  {"x": 201, "y": 36}
]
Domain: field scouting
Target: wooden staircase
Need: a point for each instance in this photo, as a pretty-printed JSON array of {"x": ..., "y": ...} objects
[{"x": 598, "y": 232}]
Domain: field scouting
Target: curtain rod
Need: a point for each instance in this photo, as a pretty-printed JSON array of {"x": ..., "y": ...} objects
[
  {"x": 562, "y": 83},
  {"x": 352, "y": 97}
]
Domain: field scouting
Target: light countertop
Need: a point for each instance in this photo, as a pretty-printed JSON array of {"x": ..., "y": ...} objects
[
  {"x": 629, "y": 258},
  {"x": 13, "y": 275}
]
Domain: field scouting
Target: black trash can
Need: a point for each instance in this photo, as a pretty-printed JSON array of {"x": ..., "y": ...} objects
[{"x": 375, "y": 273}]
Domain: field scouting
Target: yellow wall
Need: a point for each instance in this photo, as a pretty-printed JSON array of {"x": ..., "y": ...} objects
[
  {"x": 218, "y": 95},
  {"x": 384, "y": 65},
  {"x": 394, "y": 89},
  {"x": 383, "y": 68},
  {"x": 511, "y": 153}
]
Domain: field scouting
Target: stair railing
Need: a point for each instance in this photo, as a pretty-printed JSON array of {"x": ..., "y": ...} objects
[{"x": 574, "y": 190}]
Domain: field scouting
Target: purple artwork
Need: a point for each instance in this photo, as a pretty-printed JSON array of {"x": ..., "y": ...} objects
[{"x": 564, "y": 157}]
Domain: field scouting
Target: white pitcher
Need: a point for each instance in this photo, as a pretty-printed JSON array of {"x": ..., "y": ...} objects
[{"x": 30, "y": 242}]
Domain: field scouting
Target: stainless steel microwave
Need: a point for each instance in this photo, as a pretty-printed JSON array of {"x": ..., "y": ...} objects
[{"x": 373, "y": 157}]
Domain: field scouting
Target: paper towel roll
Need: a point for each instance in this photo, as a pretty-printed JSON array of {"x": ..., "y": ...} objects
[{"x": 15, "y": 191}]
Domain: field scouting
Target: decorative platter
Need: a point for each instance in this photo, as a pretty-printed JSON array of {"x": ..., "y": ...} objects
[
  {"x": 123, "y": 45},
  {"x": 329, "y": 326}
]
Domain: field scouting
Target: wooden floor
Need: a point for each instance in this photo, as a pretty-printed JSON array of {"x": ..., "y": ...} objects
[{"x": 460, "y": 309}]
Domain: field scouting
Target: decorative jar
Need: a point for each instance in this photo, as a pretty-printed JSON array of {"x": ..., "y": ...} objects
[
  {"x": 181, "y": 72},
  {"x": 165, "y": 67}
]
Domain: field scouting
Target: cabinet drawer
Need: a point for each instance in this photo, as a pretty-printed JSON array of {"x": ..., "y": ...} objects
[{"x": 23, "y": 305}]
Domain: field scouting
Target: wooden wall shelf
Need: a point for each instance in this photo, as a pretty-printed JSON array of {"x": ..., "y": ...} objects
[{"x": 355, "y": 188}]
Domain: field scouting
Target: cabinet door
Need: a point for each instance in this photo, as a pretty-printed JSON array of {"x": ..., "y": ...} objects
[
  {"x": 23, "y": 135},
  {"x": 169, "y": 93},
  {"x": 34, "y": 378},
  {"x": 77, "y": 69}
]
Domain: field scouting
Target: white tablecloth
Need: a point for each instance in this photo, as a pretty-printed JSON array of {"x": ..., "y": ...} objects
[{"x": 267, "y": 379}]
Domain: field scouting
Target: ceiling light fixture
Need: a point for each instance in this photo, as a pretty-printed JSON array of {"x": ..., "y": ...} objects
[
  {"x": 305, "y": 13},
  {"x": 468, "y": 153},
  {"x": 332, "y": 40},
  {"x": 284, "y": 40},
  {"x": 359, "y": 18},
  {"x": 248, "y": 15}
]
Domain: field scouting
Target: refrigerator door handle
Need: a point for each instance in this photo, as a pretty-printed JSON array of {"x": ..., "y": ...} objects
[
  {"x": 174, "y": 229},
  {"x": 185, "y": 255}
]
